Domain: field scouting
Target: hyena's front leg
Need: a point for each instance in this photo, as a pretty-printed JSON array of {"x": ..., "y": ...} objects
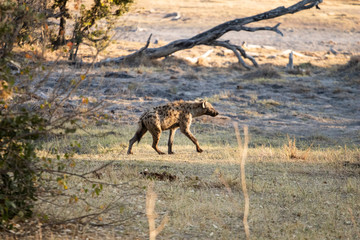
[
  {"x": 171, "y": 140},
  {"x": 185, "y": 129},
  {"x": 193, "y": 139}
]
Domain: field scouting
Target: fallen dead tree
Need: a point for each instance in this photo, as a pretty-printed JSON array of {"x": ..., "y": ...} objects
[{"x": 211, "y": 36}]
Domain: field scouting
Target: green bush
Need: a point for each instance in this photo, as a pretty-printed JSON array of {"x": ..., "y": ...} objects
[
  {"x": 17, "y": 164},
  {"x": 25, "y": 178}
]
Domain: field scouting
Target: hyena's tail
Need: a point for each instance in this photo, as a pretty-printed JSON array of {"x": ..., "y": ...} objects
[
  {"x": 140, "y": 131},
  {"x": 138, "y": 135}
]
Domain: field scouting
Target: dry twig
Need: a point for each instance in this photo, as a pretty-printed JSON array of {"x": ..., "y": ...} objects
[
  {"x": 151, "y": 197},
  {"x": 243, "y": 152}
]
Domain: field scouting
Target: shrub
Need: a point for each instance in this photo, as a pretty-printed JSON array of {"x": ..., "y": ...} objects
[
  {"x": 19, "y": 22},
  {"x": 17, "y": 163},
  {"x": 86, "y": 22},
  {"x": 24, "y": 176}
]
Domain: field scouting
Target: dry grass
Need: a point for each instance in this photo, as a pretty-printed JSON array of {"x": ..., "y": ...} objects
[
  {"x": 354, "y": 63},
  {"x": 292, "y": 152},
  {"x": 265, "y": 71},
  {"x": 294, "y": 192},
  {"x": 288, "y": 197},
  {"x": 350, "y": 72}
]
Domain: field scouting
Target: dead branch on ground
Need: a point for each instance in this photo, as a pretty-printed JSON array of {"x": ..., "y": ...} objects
[{"x": 210, "y": 37}]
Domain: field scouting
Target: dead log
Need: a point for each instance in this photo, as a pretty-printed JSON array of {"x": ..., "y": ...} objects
[{"x": 210, "y": 36}]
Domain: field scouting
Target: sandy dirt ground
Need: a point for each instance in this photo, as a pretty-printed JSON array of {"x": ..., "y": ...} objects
[
  {"x": 320, "y": 103},
  {"x": 335, "y": 25}
]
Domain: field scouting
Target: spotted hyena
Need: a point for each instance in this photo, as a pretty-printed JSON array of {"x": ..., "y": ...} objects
[{"x": 171, "y": 117}]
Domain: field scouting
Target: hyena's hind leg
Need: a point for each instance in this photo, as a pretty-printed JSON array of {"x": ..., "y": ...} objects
[
  {"x": 137, "y": 137},
  {"x": 171, "y": 140},
  {"x": 156, "y": 133}
]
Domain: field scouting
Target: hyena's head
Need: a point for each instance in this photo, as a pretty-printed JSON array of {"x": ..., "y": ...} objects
[{"x": 208, "y": 109}]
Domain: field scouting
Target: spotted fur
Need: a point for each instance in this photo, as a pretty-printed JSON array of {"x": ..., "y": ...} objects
[{"x": 171, "y": 117}]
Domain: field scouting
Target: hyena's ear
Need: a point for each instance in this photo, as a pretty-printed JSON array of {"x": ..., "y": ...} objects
[{"x": 204, "y": 104}]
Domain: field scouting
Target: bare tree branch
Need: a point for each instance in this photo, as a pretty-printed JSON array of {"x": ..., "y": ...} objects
[
  {"x": 226, "y": 44},
  {"x": 275, "y": 29},
  {"x": 210, "y": 36}
]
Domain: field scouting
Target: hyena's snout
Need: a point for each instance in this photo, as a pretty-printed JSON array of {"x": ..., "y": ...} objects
[{"x": 213, "y": 112}]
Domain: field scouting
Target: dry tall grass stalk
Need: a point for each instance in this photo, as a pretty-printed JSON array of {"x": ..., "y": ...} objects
[
  {"x": 151, "y": 197},
  {"x": 223, "y": 181},
  {"x": 292, "y": 152},
  {"x": 353, "y": 221},
  {"x": 40, "y": 231},
  {"x": 244, "y": 150}
]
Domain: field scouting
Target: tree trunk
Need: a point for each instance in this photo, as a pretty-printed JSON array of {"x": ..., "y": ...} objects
[
  {"x": 61, "y": 35},
  {"x": 60, "y": 40},
  {"x": 210, "y": 36}
]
